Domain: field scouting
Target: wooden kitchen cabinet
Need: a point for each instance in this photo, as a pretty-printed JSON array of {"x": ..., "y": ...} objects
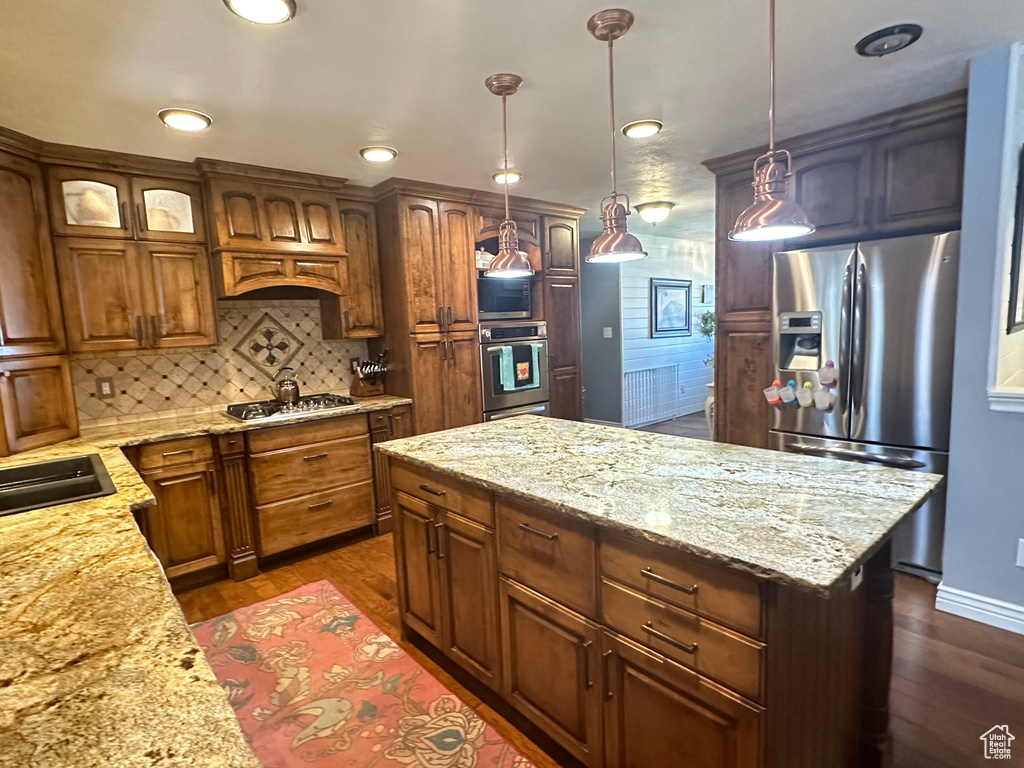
[
  {"x": 364, "y": 314},
  {"x": 392, "y": 424},
  {"x": 122, "y": 295},
  {"x": 458, "y": 267},
  {"x": 565, "y": 391},
  {"x": 30, "y": 313},
  {"x": 562, "y": 313},
  {"x": 552, "y": 669},
  {"x": 561, "y": 246},
  {"x": 167, "y": 210},
  {"x": 528, "y": 225},
  {"x": 416, "y": 565},
  {"x": 833, "y": 186},
  {"x": 37, "y": 403},
  {"x": 185, "y": 529},
  {"x": 659, "y": 713},
  {"x": 462, "y": 384}
]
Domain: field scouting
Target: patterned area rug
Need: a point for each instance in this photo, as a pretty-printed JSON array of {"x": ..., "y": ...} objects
[{"x": 315, "y": 682}]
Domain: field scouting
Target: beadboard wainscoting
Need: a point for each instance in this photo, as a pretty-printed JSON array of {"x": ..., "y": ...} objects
[{"x": 257, "y": 339}]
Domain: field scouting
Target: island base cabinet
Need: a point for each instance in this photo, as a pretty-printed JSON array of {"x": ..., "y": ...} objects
[
  {"x": 657, "y": 713},
  {"x": 418, "y": 590},
  {"x": 552, "y": 670}
]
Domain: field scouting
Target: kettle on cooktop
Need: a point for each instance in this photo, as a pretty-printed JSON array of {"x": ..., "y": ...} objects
[{"x": 285, "y": 387}]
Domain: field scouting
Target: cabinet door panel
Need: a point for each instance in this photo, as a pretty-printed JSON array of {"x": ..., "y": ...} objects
[
  {"x": 318, "y": 222},
  {"x": 178, "y": 296},
  {"x": 469, "y": 597},
  {"x": 918, "y": 178},
  {"x": 743, "y": 270},
  {"x": 551, "y": 669},
  {"x": 168, "y": 210},
  {"x": 658, "y": 713},
  {"x": 282, "y": 219},
  {"x": 561, "y": 246},
  {"x": 463, "y": 392},
  {"x": 185, "y": 528},
  {"x": 488, "y": 225},
  {"x": 242, "y": 219},
  {"x": 421, "y": 246},
  {"x": 365, "y": 317},
  {"x": 93, "y": 203},
  {"x": 37, "y": 404},
  {"x": 833, "y": 187},
  {"x": 30, "y": 316},
  {"x": 102, "y": 301},
  {"x": 566, "y": 392},
  {"x": 562, "y": 313},
  {"x": 742, "y": 370},
  {"x": 418, "y": 593},
  {"x": 428, "y": 364},
  {"x": 458, "y": 267}
]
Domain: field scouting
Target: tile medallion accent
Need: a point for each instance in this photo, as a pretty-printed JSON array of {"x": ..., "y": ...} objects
[{"x": 257, "y": 339}]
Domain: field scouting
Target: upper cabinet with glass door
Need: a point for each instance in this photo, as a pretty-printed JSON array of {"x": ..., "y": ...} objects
[{"x": 99, "y": 204}]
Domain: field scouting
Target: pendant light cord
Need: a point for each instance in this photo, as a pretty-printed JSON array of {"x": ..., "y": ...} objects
[
  {"x": 504, "y": 132},
  {"x": 771, "y": 77},
  {"x": 611, "y": 93}
]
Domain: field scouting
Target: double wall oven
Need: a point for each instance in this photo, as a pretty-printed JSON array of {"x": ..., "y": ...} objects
[{"x": 514, "y": 360}]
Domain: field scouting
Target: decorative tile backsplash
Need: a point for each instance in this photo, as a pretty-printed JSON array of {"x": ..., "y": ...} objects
[{"x": 257, "y": 339}]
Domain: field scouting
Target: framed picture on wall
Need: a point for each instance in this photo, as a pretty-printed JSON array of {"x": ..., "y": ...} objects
[
  {"x": 1015, "y": 316},
  {"x": 670, "y": 307}
]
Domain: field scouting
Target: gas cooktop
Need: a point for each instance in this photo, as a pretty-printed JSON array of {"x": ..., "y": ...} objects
[{"x": 267, "y": 410}]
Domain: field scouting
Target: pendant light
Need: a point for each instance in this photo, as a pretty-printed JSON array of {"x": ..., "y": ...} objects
[
  {"x": 615, "y": 244},
  {"x": 510, "y": 261},
  {"x": 772, "y": 216}
]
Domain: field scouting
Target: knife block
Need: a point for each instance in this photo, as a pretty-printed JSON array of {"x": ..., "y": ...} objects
[{"x": 361, "y": 388}]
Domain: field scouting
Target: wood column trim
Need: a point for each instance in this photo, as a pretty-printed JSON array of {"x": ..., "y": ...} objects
[
  {"x": 879, "y": 583},
  {"x": 238, "y": 517},
  {"x": 382, "y": 484}
]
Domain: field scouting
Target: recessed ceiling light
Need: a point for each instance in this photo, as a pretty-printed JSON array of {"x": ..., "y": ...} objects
[
  {"x": 889, "y": 40},
  {"x": 378, "y": 154},
  {"x": 642, "y": 129},
  {"x": 653, "y": 213},
  {"x": 510, "y": 178},
  {"x": 262, "y": 11},
  {"x": 189, "y": 120}
]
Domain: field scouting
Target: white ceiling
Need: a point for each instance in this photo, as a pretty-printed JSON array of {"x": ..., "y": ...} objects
[{"x": 346, "y": 73}]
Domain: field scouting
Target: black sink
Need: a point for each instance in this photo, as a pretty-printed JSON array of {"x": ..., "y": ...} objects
[{"x": 33, "y": 486}]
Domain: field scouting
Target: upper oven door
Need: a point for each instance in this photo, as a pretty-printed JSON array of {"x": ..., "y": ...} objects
[{"x": 506, "y": 382}]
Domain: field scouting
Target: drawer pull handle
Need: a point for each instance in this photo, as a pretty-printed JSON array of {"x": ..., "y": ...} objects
[
  {"x": 549, "y": 536},
  {"x": 609, "y": 691},
  {"x": 688, "y": 647},
  {"x": 662, "y": 580},
  {"x": 440, "y": 541},
  {"x": 315, "y": 456},
  {"x": 428, "y": 489},
  {"x": 586, "y": 664},
  {"x": 168, "y": 454},
  {"x": 321, "y": 504}
]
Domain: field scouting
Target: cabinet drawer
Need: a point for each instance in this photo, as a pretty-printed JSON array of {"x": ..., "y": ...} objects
[
  {"x": 552, "y": 554},
  {"x": 296, "y": 471},
  {"x": 319, "y": 431},
  {"x": 314, "y": 517},
  {"x": 443, "y": 491},
  {"x": 727, "y": 596},
  {"x": 378, "y": 419},
  {"x": 171, "y": 452},
  {"x": 695, "y": 642},
  {"x": 230, "y": 445}
]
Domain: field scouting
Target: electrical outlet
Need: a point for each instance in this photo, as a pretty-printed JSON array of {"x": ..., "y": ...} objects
[
  {"x": 354, "y": 364},
  {"x": 606, "y": 331},
  {"x": 1020, "y": 553},
  {"x": 105, "y": 388}
]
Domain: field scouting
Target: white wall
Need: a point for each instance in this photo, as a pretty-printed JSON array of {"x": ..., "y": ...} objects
[
  {"x": 676, "y": 259},
  {"x": 985, "y": 512}
]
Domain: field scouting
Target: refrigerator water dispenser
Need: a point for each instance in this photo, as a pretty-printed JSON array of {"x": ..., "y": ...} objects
[{"x": 800, "y": 341}]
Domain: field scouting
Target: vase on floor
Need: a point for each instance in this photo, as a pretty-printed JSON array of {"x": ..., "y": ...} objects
[{"x": 709, "y": 409}]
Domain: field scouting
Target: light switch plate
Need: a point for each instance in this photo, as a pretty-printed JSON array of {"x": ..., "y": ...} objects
[
  {"x": 606, "y": 332},
  {"x": 1020, "y": 553},
  {"x": 105, "y": 388}
]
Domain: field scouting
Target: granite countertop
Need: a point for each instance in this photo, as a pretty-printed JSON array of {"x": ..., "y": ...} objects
[
  {"x": 98, "y": 667},
  {"x": 799, "y": 520}
]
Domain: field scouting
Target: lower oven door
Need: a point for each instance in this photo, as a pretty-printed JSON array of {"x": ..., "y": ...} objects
[
  {"x": 539, "y": 409},
  {"x": 501, "y": 391}
]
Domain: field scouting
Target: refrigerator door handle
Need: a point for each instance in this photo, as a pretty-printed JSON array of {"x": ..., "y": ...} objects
[
  {"x": 858, "y": 350},
  {"x": 845, "y": 334},
  {"x": 885, "y": 459}
]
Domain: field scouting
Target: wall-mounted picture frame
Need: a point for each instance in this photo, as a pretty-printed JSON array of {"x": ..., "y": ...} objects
[
  {"x": 670, "y": 307},
  {"x": 1015, "y": 315}
]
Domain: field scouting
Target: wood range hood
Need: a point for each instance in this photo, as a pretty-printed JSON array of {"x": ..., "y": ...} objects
[{"x": 284, "y": 234}]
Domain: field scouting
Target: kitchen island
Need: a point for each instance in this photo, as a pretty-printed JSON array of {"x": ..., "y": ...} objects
[{"x": 652, "y": 600}]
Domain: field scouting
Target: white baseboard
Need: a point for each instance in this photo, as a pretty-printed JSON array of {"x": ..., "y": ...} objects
[
  {"x": 995, "y": 613},
  {"x": 603, "y": 423}
]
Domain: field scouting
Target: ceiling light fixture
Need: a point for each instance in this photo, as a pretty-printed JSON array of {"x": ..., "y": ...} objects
[
  {"x": 507, "y": 177},
  {"x": 889, "y": 40},
  {"x": 614, "y": 244},
  {"x": 510, "y": 261},
  {"x": 188, "y": 120},
  {"x": 772, "y": 216},
  {"x": 378, "y": 154},
  {"x": 262, "y": 11},
  {"x": 642, "y": 129},
  {"x": 653, "y": 213}
]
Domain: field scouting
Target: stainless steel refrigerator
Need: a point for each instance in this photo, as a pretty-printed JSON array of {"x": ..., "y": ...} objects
[{"x": 884, "y": 311}]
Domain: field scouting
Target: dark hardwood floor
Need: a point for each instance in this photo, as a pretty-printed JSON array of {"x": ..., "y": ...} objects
[{"x": 953, "y": 679}]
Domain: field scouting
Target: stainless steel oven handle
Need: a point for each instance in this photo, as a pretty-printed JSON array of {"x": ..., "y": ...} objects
[{"x": 885, "y": 459}]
